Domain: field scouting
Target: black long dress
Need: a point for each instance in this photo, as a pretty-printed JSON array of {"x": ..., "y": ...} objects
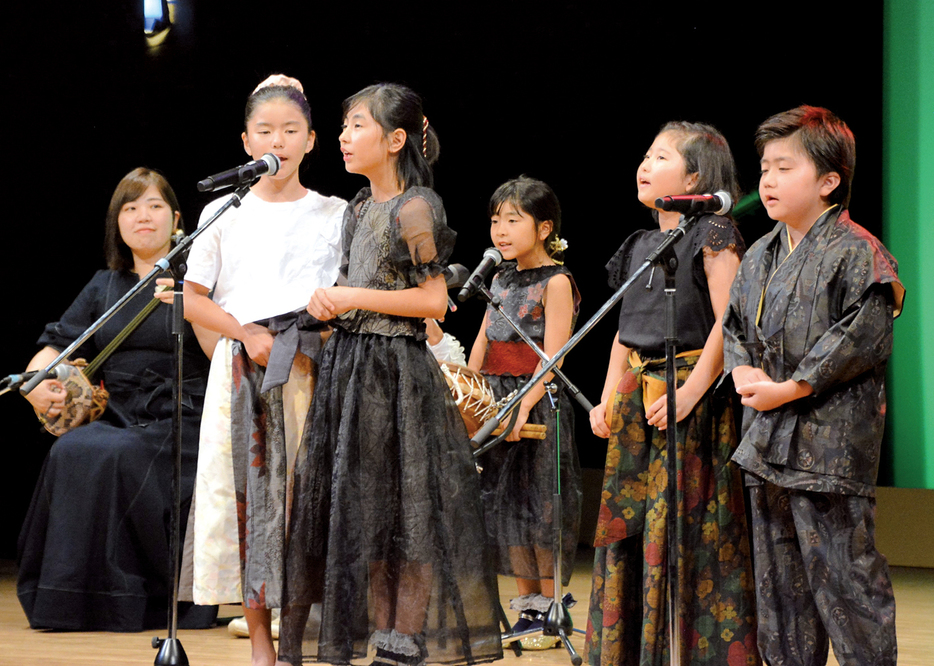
[
  {"x": 94, "y": 548},
  {"x": 387, "y": 497},
  {"x": 518, "y": 479}
]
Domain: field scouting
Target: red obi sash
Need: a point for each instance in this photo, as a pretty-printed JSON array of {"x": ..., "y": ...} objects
[{"x": 509, "y": 358}]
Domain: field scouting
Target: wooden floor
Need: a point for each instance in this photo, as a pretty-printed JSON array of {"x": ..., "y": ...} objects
[{"x": 914, "y": 594}]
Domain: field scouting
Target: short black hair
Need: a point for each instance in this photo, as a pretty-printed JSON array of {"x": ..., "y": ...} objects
[{"x": 824, "y": 138}]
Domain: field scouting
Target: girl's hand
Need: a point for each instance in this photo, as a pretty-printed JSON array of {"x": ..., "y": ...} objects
[
  {"x": 325, "y": 304},
  {"x": 257, "y": 341},
  {"x": 320, "y": 306},
  {"x": 165, "y": 290},
  {"x": 598, "y": 421},
  {"x": 657, "y": 413},
  {"x": 435, "y": 334},
  {"x": 48, "y": 398},
  {"x": 521, "y": 420},
  {"x": 342, "y": 299}
]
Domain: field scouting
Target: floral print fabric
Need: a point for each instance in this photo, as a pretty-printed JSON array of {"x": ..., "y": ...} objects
[{"x": 628, "y": 618}]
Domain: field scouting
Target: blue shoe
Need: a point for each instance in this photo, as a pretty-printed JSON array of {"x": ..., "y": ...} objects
[
  {"x": 527, "y": 619},
  {"x": 388, "y": 658}
]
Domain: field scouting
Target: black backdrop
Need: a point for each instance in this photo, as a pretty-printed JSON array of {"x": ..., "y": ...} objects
[{"x": 569, "y": 92}]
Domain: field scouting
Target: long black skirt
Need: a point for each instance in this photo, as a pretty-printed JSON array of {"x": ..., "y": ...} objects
[
  {"x": 385, "y": 485},
  {"x": 94, "y": 548},
  {"x": 518, "y": 482}
]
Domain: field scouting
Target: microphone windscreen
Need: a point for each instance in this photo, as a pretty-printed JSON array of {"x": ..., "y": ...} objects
[
  {"x": 273, "y": 162},
  {"x": 455, "y": 275},
  {"x": 726, "y": 202}
]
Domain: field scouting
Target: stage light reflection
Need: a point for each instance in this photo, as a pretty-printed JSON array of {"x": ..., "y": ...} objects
[{"x": 158, "y": 17}]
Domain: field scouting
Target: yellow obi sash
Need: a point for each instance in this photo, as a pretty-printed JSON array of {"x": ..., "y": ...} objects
[{"x": 652, "y": 373}]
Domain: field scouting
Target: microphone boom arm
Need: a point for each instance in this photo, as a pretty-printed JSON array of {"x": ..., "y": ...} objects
[
  {"x": 161, "y": 265},
  {"x": 572, "y": 389},
  {"x": 489, "y": 426}
]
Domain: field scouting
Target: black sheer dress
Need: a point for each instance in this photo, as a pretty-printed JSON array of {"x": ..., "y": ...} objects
[{"x": 386, "y": 528}]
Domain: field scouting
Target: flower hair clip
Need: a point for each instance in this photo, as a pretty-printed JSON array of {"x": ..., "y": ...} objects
[{"x": 558, "y": 244}]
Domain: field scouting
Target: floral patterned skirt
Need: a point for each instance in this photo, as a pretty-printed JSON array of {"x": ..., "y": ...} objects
[{"x": 627, "y": 622}]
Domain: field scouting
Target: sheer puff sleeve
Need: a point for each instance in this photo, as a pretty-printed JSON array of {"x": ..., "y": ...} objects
[{"x": 421, "y": 241}]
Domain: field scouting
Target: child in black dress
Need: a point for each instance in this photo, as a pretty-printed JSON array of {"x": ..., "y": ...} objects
[
  {"x": 386, "y": 527},
  {"x": 539, "y": 294}
]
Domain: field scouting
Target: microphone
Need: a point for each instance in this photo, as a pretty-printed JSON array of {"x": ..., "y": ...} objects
[
  {"x": 455, "y": 275},
  {"x": 58, "y": 372},
  {"x": 491, "y": 259},
  {"x": 267, "y": 164},
  {"x": 718, "y": 203}
]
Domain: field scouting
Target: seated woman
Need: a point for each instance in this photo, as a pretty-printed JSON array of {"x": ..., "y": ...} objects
[{"x": 94, "y": 549}]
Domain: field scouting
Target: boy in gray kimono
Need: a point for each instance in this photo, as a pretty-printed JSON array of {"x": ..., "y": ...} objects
[{"x": 807, "y": 335}]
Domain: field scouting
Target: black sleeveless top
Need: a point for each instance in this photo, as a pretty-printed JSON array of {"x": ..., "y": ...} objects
[{"x": 642, "y": 313}]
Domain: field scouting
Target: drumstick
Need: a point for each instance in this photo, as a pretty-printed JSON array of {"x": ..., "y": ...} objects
[{"x": 528, "y": 431}]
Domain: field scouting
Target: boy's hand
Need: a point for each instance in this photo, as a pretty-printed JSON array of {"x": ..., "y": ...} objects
[
  {"x": 765, "y": 395},
  {"x": 746, "y": 374}
]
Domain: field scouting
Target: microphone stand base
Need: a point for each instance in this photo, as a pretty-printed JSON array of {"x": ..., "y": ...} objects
[{"x": 171, "y": 652}]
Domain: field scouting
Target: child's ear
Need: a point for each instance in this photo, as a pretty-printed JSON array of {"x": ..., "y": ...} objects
[
  {"x": 396, "y": 140},
  {"x": 311, "y": 141},
  {"x": 544, "y": 229},
  {"x": 691, "y": 183},
  {"x": 246, "y": 144},
  {"x": 828, "y": 183}
]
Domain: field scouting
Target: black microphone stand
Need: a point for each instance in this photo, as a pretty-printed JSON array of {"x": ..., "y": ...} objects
[
  {"x": 663, "y": 256},
  {"x": 171, "y": 652},
  {"x": 557, "y": 620},
  {"x": 669, "y": 263}
]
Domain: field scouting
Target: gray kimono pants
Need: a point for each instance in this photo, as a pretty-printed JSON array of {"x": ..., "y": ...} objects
[{"x": 819, "y": 576}]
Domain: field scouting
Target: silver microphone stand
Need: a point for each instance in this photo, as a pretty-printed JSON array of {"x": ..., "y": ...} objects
[
  {"x": 557, "y": 620},
  {"x": 662, "y": 256}
]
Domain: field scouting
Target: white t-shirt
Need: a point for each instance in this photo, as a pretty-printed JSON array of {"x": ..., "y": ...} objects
[{"x": 265, "y": 259}]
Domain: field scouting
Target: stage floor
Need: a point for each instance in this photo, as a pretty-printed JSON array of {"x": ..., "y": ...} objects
[{"x": 914, "y": 595}]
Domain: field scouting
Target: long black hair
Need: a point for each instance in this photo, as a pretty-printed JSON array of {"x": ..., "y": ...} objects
[{"x": 395, "y": 106}]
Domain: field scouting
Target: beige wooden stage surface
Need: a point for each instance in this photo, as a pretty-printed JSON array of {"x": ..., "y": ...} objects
[{"x": 914, "y": 594}]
